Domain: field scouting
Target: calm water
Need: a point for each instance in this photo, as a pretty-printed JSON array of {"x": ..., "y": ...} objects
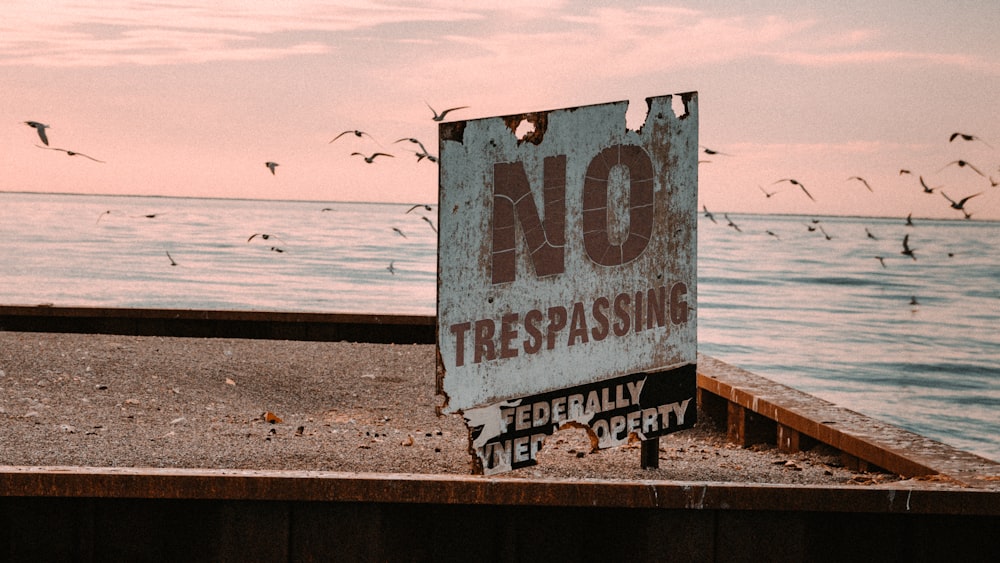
[{"x": 822, "y": 315}]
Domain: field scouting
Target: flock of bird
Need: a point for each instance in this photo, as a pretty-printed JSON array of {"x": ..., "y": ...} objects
[
  {"x": 272, "y": 166},
  {"x": 422, "y": 153},
  {"x": 958, "y": 204}
]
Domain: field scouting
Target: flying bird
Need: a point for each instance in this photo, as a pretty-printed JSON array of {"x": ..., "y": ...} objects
[
  {"x": 429, "y": 157},
  {"x": 370, "y": 159},
  {"x": 767, "y": 193},
  {"x": 71, "y": 153},
  {"x": 909, "y": 220},
  {"x": 913, "y": 300},
  {"x": 424, "y": 205},
  {"x": 773, "y": 234},
  {"x": 172, "y": 263},
  {"x": 863, "y": 181},
  {"x": 399, "y": 232},
  {"x": 264, "y": 236},
  {"x": 707, "y": 150},
  {"x": 40, "y": 127},
  {"x": 412, "y": 140},
  {"x": 799, "y": 184},
  {"x": 870, "y": 235},
  {"x": 966, "y": 137},
  {"x": 962, "y": 163},
  {"x": 904, "y": 171},
  {"x": 391, "y": 268},
  {"x": 825, "y": 234},
  {"x": 881, "y": 260},
  {"x": 429, "y": 222},
  {"x": 440, "y": 116},
  {"x": 709, "y": 214},
  {"x": 356, "y": 134},
  {"x": 101, "y": 216},
  {"x": 271, "y": 166},
  {"x": 907, "y": 251},
  {"x": 927, "y": 189},
  {"x": 731, "y": 224},
  {"x": 960, "y": 204}
]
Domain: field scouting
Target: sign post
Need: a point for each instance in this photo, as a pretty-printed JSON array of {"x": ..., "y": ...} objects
[{"x": 567, "y": 277}]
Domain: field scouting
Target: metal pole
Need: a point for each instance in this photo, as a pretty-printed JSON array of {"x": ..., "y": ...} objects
[{"x": 650, "y": 453}]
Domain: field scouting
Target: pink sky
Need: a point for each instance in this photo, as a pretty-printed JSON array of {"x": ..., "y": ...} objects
[{"x": 192, "y": 98}]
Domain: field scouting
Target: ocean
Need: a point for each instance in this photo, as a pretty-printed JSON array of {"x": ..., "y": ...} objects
[{"x": 801, "y": 300}]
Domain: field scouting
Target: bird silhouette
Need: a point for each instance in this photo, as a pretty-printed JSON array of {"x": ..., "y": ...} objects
[
  {"x": 172, "y": 263},
  {"x": 907, "y": 251},
  {"x": 799, "y": 184},
  {"x": 429, "y": 222},
  {"x": 707, "y": 150},
  {"x": 731, "y": 224},
  {"x": 40, "y": 127},
  {"x": 71, "y": 153},
  {"x": 391, "y": 267},
  {"x": 414, "y": 141},
  {"x": 904, "y": 171},
  {"x": 909, "y": 220},
  {"x": 271, "y": 166},
  {"x": 863, "y": 181},
  {"x": 966, "y": 137},
  {"x": 913, "y": 300},
  {"x": 767, "y": 193},
  {"x": 709, "y": 213},
  {"x": 440, "y": 116},
  {"x": 399, "y": 232},
  {"x": 927, "y": 189},
  {"x": 962, "y": 164},
  {"x": 881, "y": 260},
  {"x": 870, "y": 235},
  {"x": 264, "y": 236},
  {"x": 424, "y": 205},
  {"x": 825, "y": 234},
  {"x": 370, "y": 159},
  {"x": 960, "y": 204},
  {"x": 356, "y": 133}
]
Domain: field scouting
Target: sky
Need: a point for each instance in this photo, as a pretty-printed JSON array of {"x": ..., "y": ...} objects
[{"x": 184, "y": 98}]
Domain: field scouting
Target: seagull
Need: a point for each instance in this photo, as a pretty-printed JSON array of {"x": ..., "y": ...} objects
[
  {"x": 370, "y": 159},
  {"x": 966, "y": 137},
  {"x": 71, "y": 153},
  {"x": 172, "y": 263},
  {"x": 881, "y": 260},
  {"x": 731, "y": 224},
  {"x": 799, "y": 184},
  {"x": 707, "y": 150},
  {"x": 909, "y": 220},
  {"x": 424, "y": 205},
  {"x": 927, "y": 189},
  {"x": 822, "y": 230},
  {"x": 904, "y": 171},
  {"x": 773, "y": 234},
  {"x": 399, "y": 232},
  {"x": 264, "y": 236},
  {"x": 811, "y": 228},
  {"x": 440, "y": 116},
  {"x": 870, "y": 235},
  {"x": 276, "y": 249},
  {"x": 429, "y": 157},
  {"x": 907, "y": 251},
  {"x": 414, "y": 141},
  {"x": 963, "y": 163},
  {"x": 101, "y": 216},
  {"x": 356, "y": 134},
  {"x": 913, "y": 300},
  {"x": 863, "y": 181},
  {"x": 767, "y": 193},
  {"x": 429, "y": 222},
  {"x": 40, "y": 127},
  {"x": 391, "y": 268},
  {"x": 709, "y": 214},
  {"x": 271, "y": 166},
  {"x": 960, "y": 204}
]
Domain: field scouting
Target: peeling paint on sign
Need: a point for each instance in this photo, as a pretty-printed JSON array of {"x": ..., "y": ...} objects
[{"x": 566, "y": 259}]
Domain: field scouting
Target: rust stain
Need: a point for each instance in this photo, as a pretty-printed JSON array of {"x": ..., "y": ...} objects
[
  {"x": 540, "y": 120},
  {"x": 452, "y": 131}
]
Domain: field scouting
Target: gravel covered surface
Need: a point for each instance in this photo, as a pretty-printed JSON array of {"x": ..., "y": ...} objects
[{"x": 121, "y": 401}]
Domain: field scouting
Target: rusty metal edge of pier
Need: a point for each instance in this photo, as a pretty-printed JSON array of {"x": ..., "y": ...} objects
[{"x": 753, "y": 409}]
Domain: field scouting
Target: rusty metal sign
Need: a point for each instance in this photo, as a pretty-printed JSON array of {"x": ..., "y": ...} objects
[{"x": 567, "y": 276}]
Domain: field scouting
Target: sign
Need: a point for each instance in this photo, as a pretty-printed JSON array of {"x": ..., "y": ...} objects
[{"x": 567, "y": 276}]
